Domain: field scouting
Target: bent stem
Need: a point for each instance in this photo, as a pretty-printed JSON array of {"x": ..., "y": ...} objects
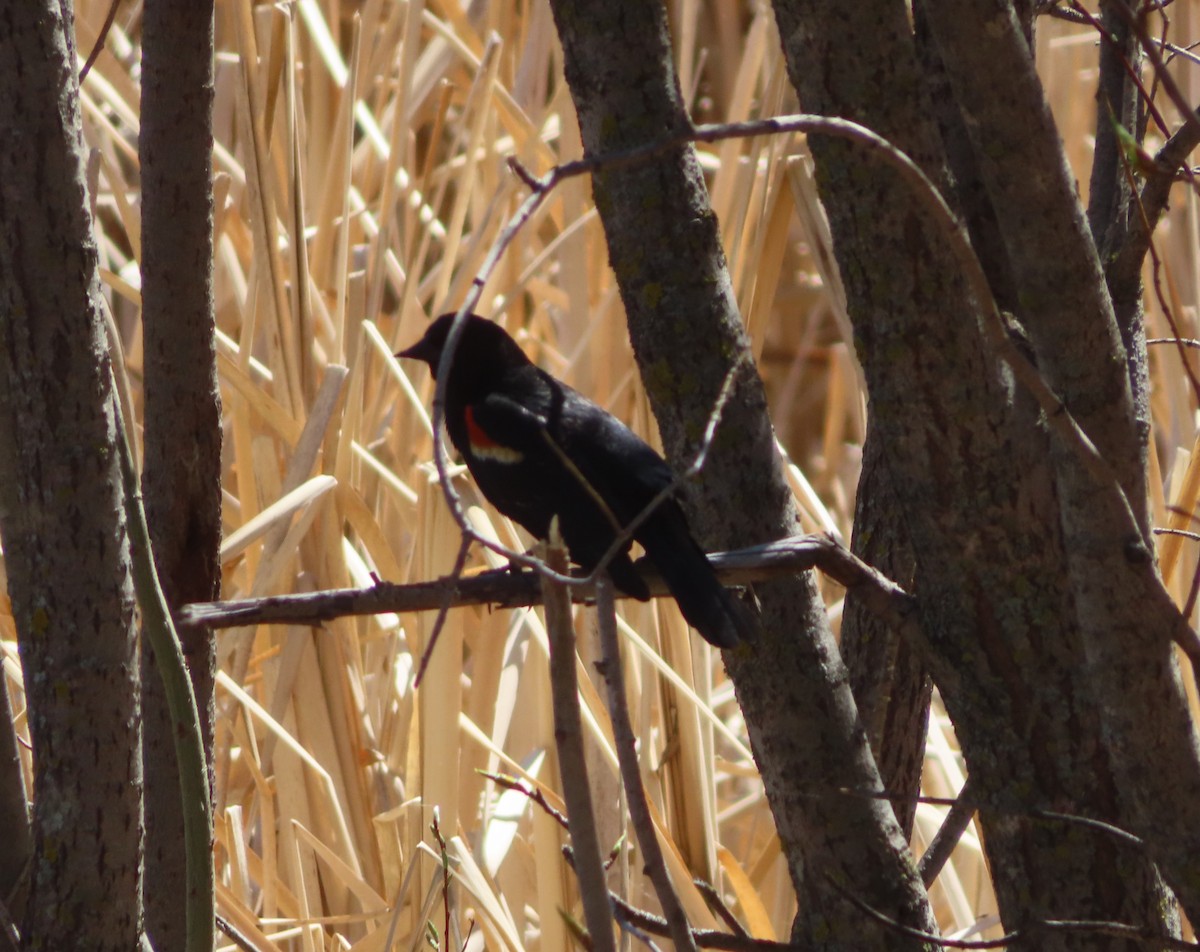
[
  {"x": 631, "y": 777},
  {"x": 200, "y": 911},
  {"x": 568, "y": 737}
]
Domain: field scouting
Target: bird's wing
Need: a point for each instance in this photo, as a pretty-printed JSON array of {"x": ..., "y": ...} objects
[
  {"x": 500, "y": 421},
  {"x": 622, "y": 467},
  {"x": 601, "y": 453}
]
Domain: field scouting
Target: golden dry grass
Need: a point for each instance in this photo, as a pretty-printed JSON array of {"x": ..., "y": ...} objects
[{"x": 360, "y": 178}]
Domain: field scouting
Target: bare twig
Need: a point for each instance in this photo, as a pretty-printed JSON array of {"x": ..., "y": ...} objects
[
  {"x": 1153, "y": 197},
  {"x": 159, "y": 631},
  {"x": 1033, "y": 813},
  {"x": 1028, "y": 933},
  {"x": 1181, "y": 341},
  {"x": 1194, "y": 536},
  {"x": 963, "y": 804},
  {"x": 436, "y": 829},
  {"x": 535, "y": 795},
  {"x": 644, "y": 937},
  {"x": 568, "y": 736},
  {"x": 234, "y": 935},
  {"x": 100, "y": 38},
  {"x": 948, "y": 835},
  {"x": 577, "y": 930},
  {"x": 704, "y": 938},
  {"x": 1161, "y": 73},
  {"x": 1156, "y": 276},
  {"x": 1106, "y": 35},
  {"x": 625, "y": 743},
  {"x": 919, "y": 934},
  {"x": 1122, "y": 930},
  {"x": 717, "y": 904},
  {"x": 460, "y": 563},
  {"x": 9, "y": 928},
  {"x": 710, "y": 431},
  {"x": 503, "y": 588}
]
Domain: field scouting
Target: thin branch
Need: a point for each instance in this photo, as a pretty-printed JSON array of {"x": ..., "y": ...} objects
[
  {"x": 1194, "y": 536},
  {"x": 1161, "y": 171},
  {"x": 644, "y": 937},
  {"x": 625, "y": 743},
  {"x": 1182, "y": 341},
  {"x": 1183, "y": 52},
  {"x": 577, "y": 929},
  {"x": 535, "y": 795},
  {"x": 1163, "y": 303},
  {"x": 444, "y": 855},
  {"x": 710, "y": 431},
  {"x": 1027, "y": 933},
  {"x": 9, "y": 928},
  {"x": 953, "y": 827},
  {"x": 100, "y": 38},
  {"x": 717, "y": 904},
  {"x": 460, "y": 563},
  {"x": 1155, "y": 194},
  {"x": 704, "y": 938},
  {"x": 1068, "y": 15},
  {"x": 503, "y": 588},
  {"x": 1130, "y": 71},
  {"x": 1033, "y": 813},
  {"x": 920, "y": 934},
  {"x": 158, "y": 627},
  {"x": 234, "y": 935},
  {"x": 709, "y": 939},
  {"x": 568, "y": 737},
  {"x": 1121, "y": 930},
  {"x": 1150, "y": 47}
]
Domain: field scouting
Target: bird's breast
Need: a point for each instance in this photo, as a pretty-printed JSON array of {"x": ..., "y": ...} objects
[{"x": 484, "y": 447}]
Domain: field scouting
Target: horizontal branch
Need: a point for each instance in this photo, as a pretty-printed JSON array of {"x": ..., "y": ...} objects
[{"x": 503, "y": 588}]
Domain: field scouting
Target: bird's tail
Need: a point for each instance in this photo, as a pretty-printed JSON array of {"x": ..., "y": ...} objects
[{"x": 715, "y": 612}]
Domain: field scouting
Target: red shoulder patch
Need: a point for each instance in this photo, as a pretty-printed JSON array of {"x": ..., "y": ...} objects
[
  {"x": 476, "y": 434},
  {"x": 484, "y": 447}
]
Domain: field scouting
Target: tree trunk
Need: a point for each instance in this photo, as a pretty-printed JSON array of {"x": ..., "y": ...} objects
[
  {"x": 182, "y": 477},
  {"x": 664, "y": 246},
  {"x": 971, "y": 468},
  {"x": 1126, "y": 618},
  {"x": 888, "y": 677},
  {"x": 61, "y": 505}
]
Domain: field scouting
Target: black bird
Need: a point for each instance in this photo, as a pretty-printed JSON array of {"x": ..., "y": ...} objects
[{"x": 538, "y": 448}]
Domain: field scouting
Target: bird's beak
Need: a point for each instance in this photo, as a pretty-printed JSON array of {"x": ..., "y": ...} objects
[{"x": 418, "y": 351}]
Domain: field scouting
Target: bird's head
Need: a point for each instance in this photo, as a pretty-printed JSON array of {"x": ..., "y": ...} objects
[{"x": 483, "y": 345}]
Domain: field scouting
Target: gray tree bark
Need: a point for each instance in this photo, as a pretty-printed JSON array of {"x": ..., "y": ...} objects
[
  {"x": 61, "y": 505},
  {"x": 982, "y": 493},
  {"x": 665, "y": 249},
  {"x": 181, "y": 481},
  {"x": 887, "y": 675},
  {"x": 1126, "y": 618},
  {"x": 1114, "y": 213}
]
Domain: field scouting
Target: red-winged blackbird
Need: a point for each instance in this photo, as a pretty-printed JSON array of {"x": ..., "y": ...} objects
[{"x": 538, "y": 449}]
